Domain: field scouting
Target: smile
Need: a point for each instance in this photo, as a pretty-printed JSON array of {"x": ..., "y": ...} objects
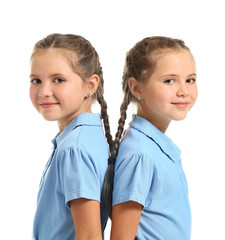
[
  {"x": 182, "y": 105},
  {"x": 48, "y": 105}
]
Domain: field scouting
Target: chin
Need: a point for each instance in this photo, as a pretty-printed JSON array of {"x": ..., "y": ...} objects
[
  {"x": 48, "y": 118},
  {"x": 179, "y": 118}
]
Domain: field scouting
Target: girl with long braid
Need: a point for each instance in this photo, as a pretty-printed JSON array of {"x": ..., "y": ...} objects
[
  {"x": 150, "y": 193},
  {"x": 66, "y": 77}
]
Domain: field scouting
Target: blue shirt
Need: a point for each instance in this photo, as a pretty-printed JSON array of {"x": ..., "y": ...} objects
[
  {"x": 75, "y": 170},
  {"x": 148, "y": 171}
]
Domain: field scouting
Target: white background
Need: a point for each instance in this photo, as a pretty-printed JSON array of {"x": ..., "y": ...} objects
[{"x": 113, "y": 27}]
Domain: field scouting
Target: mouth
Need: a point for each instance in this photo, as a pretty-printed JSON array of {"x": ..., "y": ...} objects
[
  {"x": 181, "y": 105},
  {"x": 48, "y": 104}
]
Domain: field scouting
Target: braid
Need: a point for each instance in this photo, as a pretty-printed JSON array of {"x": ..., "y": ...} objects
[
  {"x": 84, "y": 61},
  {"x": 121, "y": 122},
  {"x": 104, "y": 116},
  {"x": 100, "y": 98},
  {"x": 140, "y": 64},
  {"x": 107, "y": 190}
]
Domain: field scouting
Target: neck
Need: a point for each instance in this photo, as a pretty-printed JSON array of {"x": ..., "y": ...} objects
[
  {"x": 63, "y": 123},
  {"x": 157, "y": 121}
]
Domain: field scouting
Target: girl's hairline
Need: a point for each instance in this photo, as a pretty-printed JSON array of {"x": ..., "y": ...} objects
[
  {"x": 65, "y": 52},
  {"x": 59, "y": 49}
]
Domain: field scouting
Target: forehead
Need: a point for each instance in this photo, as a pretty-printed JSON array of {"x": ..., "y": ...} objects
[
  {"x": 54, "y": 52},
  {"x": 51, "y": 56},
  {"x": 175, "y": 61},
  {"x": 50, "y": 61}
]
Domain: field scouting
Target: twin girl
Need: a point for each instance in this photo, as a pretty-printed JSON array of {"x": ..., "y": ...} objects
[{"x": 137, "y": 178}]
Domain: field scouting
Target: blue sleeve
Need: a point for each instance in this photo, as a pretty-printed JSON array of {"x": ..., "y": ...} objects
[
  {"x": 78, "y": 175},
  {"x": 133, "y": 180}
]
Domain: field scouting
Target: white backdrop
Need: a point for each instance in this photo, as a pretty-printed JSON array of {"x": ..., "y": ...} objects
[{"x": 112, "y": 27}]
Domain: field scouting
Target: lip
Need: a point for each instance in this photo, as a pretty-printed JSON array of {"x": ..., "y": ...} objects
[
  {"x": 182, "y": 105},
  {"x": 48, "y": 104}
]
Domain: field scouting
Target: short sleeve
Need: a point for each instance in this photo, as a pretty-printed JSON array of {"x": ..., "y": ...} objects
[
  {"x": 78, "y": 175},
  {"x": 133, "y": 180}
]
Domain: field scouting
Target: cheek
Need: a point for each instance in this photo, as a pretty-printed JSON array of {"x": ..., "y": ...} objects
[
  {"x": 194, "y": 93},
  {"x": 163, "y": 95},
  {"x": 33, "y": 95},
  {"x": 70, "y": 94},
  {"x": 154, "y": 95}
]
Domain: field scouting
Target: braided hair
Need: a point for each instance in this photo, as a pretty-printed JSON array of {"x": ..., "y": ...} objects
[
  {"x": 140, "y": 63},
  {"x": 84, "y": 61}
]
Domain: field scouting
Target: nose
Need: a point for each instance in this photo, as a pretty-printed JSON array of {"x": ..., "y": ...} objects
[
  {"x": 182, "y": 90},
  {"x": 45, "y": 90}
]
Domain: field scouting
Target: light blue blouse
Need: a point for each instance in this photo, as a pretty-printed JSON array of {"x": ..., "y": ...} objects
[
  {"x": 148, "y": 171},
  {"x": 75, "y": 170}
]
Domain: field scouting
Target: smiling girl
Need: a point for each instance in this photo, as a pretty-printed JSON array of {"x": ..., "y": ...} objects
[
  {"x": 66, "y": 77},
  {"x": 150, "y": 195}
]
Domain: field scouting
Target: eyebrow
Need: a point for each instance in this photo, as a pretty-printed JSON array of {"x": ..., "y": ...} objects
[
  {"x": 33, "y": 75},
  {"x": 58, "y": 74},
  {"x": 53, "y": 75},
  {"x": 193, "y": 74},
  {"x": 168, "y": 75},
  {"x": 174, "y": 75}
]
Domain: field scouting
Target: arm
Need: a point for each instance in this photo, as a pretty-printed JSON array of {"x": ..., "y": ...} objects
[
  {"x": 125, "y": 220},
  {"x": 86, "y": 217}
]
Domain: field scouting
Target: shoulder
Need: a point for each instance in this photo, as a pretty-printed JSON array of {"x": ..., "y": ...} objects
[
  {"x": 133, "y": 151},
  {"x": 84, "y": 137},
  {"x": 137, "y": 143},
  {"x": 86, "y": 143}
]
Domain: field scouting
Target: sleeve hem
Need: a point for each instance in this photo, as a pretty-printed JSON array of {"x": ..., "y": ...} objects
[
  {"x": 129, "y": 197},
  {"x": 76, "y": 195}
]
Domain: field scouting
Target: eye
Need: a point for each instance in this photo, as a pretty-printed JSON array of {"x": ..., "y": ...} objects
[
  {"x": 59, "y": 80},
  {"x": 35, "y": 81},
  {"x": 191, "y": 80},
  {"x": 169, "y": 81}
]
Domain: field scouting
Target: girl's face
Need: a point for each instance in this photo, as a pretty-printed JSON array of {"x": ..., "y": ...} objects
[
  {"x": 171, "y": 90},
  {"x": 56, "y": 91}
]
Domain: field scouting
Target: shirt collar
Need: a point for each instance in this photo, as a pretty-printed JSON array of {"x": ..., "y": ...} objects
[
  {"x": 89, "y": 119},
  {"x": 164, "y": 142}
]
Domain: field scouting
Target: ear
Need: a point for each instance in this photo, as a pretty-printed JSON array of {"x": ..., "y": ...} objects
[
  {"x": 92, "y": 84},
  {"x": 135, "y": 87}
]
